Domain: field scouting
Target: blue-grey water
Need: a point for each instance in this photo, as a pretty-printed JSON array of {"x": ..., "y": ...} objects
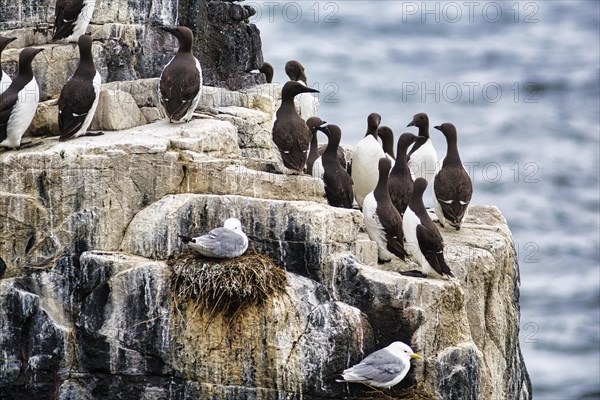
[{"x": 520, "y": 80}]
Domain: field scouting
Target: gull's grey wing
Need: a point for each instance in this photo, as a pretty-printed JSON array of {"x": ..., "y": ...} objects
[
  {"x": 380, "y": 366},
  {"x": 221, "y": 241}
]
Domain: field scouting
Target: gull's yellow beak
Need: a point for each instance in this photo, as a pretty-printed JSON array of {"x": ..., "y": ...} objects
[{"x": 416, "y": 356}]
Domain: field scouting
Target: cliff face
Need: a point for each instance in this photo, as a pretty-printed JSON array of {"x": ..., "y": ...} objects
[
  {"x": 87, "y": 226},
  {"x": 129, "y": 43}
]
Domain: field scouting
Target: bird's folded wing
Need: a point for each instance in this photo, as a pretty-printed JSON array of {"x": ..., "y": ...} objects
[{"x": 381, "y": 366}]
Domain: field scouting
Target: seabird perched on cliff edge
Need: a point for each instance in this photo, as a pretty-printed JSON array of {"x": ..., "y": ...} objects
[
  {"x": 5, "y": 80},
  {"x": 306, "y": 104},
  {"x": 386, "y": 135},
  {"x": 71, "y": 18},
  {"x": 180, "y": 84},
  {"x": 290, "y": 133},
  {"x": 19, "y": 102},
  {"x": 79, "y": 97},
  {"x": 365, "y": 159},
  {"x": 383, "y": 368},
  {"x": 228, "y": 241},
  {"x": 401, "y": 181},
  {"x": 452, "y": 186},
  {"x": 313, "y": 124},
  {"x": 423, "y": 239},
  {"x": 382, "y": 220},
  {"x": 338, "y": 184},
  {"x": 422, "y": 158}
]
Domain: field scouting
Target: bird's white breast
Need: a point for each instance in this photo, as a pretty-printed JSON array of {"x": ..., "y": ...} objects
[
  {"x": 5, "y": 82},
  {"x": 365, "y": 161},
  {"x": 423, "y": 162},
  {"x": 22, "y": 114}
]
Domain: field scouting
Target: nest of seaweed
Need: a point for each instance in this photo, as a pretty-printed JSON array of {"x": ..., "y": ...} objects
[{"x": 225, "y": 286}]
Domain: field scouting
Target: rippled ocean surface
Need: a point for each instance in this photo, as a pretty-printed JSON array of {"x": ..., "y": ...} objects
[{"x": 520, "y": 80}]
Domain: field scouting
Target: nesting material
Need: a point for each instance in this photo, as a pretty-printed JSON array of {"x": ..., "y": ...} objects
[
  {"x": 225, "y": 286},
  {"x": 415, "y": 392}
]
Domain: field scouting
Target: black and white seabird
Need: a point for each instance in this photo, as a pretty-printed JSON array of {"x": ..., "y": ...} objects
[
  {"x": 313, "y": 124},
  {"x": 383, "y": 368},
  {"x": 79, "y": 97},
  {"x": 181, "y": 80},
  {"x": 5, "y": 80},
  {"x": 268, "y": 70},
  {"x": 452, "y": 187},
  {"x": 290, "y": 132},
  {"x": 386, "y": 135},
  {"x": 341, "y": 159},
  {"x": 314, "y": 163},
  {"x": 401, "y": 182},
  {"x": 306, "y": 104},
  {"x": 365, "y": 159},
  {"x": 338, "y": 184},
  {"x": 71, "y": 18},
  {"x": 228, "y": 241},
  {"x": 19, "y": 102},
  {"x": 422, "y": 158},
  {"x": 423, "y": 239},
  {"x": 382, "y": 220}
]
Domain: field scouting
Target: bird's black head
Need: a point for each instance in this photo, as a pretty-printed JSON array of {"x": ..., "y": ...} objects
[
  {"x": 4, "y": 41},
  {"x": 268, "y": 70},
  {"x": 27, "y": 55},
  {"x": 420, "y": 120},
  {"x": 385, "y": 165},
  {"x": 448, "y": 129},
  {"x": 293, "y": 88},
  {"x": 184, "y": 36},
  {"x": 314, "y": 123},
  {"x": 373, "y": 121},
  {"x": 295, "y": 71}
]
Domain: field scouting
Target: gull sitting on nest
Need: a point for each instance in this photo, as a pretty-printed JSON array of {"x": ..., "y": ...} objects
[
  {"x": 383, "y": 368},
  {"x": 228, "y": 241}
]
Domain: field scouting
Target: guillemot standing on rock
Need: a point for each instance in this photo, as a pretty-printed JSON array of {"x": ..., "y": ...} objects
[
  {"x": 228, "y": 241},
  {"x": 382, "y": 220},
  {"x": 5, "y": 80},
  {"x": 365, "y": 159},
  {"x": 423, "y": 240},
  {"x": 181, "y": 80},
  {"x": 79, "y": 97},
  {"x": 290, "y": 132},
  {"x": 71, "y": 18},
  {"x": 19, "y": 102},
  {"x": 306, "y": 104},
  {"x": 314, "y": 163},
  {"x": 452, "y": 187},
  {"x": 338, "y": 184},
  {"x": 386, "y": 135},
  {"x": 401, "y": 182},
  {"x": 268, "y": 70},
  {"x": 313, "y": 124},
  {"x": 422, "y": 158}
]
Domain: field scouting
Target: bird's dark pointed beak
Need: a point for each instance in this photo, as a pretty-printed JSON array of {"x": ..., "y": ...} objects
[
  {"x": 323, "y": 123},
  {"x": 412, "y": 123},
  {"x": 11, "y": 39},
  {"x": 324, "y": 129},
  {"x": 309, "y": 90},
  {"x": 166, "y": 29},
  {"x": 439, "y": 128}
]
